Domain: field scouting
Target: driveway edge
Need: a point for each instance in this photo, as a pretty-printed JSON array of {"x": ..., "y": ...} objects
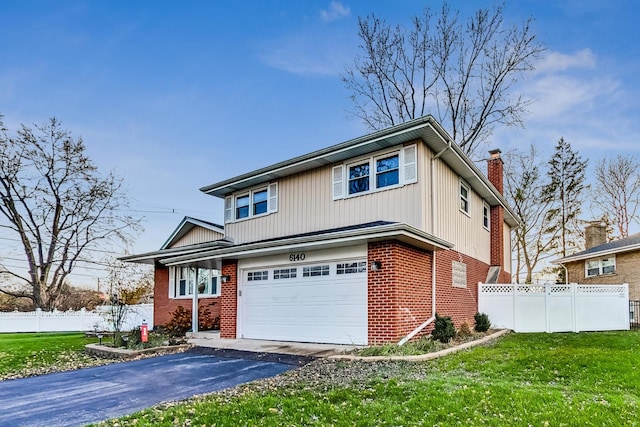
[{"x": 427, "y": 356}]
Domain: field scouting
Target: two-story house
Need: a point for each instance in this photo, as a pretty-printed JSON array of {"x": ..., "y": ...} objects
[{"x": 359, "y": 243}]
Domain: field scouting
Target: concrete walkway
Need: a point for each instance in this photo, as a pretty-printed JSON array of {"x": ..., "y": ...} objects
[{"x": 212, "y": 339}]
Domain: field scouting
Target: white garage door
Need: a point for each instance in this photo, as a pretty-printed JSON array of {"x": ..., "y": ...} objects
[{"x": 319, "y": 302}]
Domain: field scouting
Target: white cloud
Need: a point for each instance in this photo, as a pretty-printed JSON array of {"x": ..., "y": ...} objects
[
  {"x": 335, "y": 11},
  {"x": 558, "y": 96},
  {"x": 556, "y": 61},
  {"x": 308, "y": 54}
]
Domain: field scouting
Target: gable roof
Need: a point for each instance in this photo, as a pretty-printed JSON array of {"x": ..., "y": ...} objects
[
  {"x": 187, "y": 224},
  {"x": 631, "y": 243},
  {"x": 425, "y": 128}
]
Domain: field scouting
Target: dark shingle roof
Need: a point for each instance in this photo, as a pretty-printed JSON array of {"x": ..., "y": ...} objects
[{"x": 621, "y": 245}]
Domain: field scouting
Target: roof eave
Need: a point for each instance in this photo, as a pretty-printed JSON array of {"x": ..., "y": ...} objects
[
  {"x": 583, "y": 256},
  {"x": 402, "y": 232},
  {"x": 402, "y": 133}
]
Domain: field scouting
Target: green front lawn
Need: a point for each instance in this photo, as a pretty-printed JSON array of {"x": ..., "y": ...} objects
[
  {"x": 35, "y": 353},
  {"x": 523, "y": 379}
]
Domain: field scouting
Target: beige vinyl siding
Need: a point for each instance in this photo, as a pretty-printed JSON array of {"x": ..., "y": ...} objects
[
  {"x": 198, "y": 235},
  {"x": 305, "y": 204},
  {"x": 464, "y": 231},
  {"x": 507, "y": 247}
]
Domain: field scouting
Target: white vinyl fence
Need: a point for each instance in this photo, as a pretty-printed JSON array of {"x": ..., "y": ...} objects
[
  {"x": 69, "y": 321},
  {"x": 555, "y": 308}
]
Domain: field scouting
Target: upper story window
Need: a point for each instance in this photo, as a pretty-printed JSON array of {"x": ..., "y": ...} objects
[
  {"x": 598, "y": 267},
  {"x": 257, "y": 202},
  {"x": 260, "y": 202},
  {"x": 388, "y": 170},
  {"x": 486, "y": 212},
  {"x": 464, "y": 197},
  {"x": 242, "y": 206},
  {"x": 359, "y": 178},
  {"x": 183, "y": 281}
]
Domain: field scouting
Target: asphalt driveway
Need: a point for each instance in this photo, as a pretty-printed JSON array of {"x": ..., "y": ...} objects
[{"x": 89, "y": 395}]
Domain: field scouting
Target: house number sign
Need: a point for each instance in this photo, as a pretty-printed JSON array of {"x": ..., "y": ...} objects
[{"x": 300, "y": 256}]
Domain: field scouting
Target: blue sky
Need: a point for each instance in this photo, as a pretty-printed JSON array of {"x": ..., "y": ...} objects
[{"x": 175, "y": 95}]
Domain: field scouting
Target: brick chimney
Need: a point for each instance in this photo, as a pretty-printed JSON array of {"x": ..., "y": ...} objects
[
  {"x": 495, "y": 173},
  {"x": 595, "y": 234}
]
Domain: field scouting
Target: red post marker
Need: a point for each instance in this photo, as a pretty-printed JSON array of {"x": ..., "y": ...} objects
[{"x": 144, "y": 332}]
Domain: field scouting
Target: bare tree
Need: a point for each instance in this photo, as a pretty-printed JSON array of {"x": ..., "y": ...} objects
[
  {"x": 618, "y": 191},
  {"x": 56, "y": 203},
  {"x": 534, "y": 237},
  {"x": 462, "y": 73}
]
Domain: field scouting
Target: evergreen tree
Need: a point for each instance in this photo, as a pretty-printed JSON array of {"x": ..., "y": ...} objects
[{"x": 566, "y": 186}]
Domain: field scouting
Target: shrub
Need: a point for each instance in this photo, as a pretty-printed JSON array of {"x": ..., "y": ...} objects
[
  {"x": 482, "y": 322},
  {"x": 465, "y": 329},
  {"x": 443, "y": 330},
  {"x": 180, "y": 321}
]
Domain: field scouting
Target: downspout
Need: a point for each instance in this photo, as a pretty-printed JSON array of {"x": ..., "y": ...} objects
[{"x": 433, "y": 261}]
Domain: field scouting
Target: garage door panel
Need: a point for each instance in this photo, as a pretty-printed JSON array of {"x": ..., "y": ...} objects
[{"x": 330, "y": 309}]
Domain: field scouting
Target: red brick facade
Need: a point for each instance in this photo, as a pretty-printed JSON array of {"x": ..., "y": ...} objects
[
  {"x": 163, "y": 306},
  {"x": 400, "y": 293},
  {"x": 229, "y": 311},
  {"x": 495, "y": 173},
  {"x": 459, "y": 303}
]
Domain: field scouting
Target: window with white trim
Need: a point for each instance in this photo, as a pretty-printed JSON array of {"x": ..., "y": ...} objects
[
  {"x": 388, "y": 171},
  {"x": 257, "y": 202},
  {"x": 316, "y": 270},
  {"x": 351, "y": 267},
  {"x": 384, "y": 171},
  {"x": 284, "y": 273},
  {"x": 359, "y": 178},
  {"x": 242, "y": 206},
  {"x": 486, "y": 219},
  {"x": 600, "y": 266},
  {"x": 183, "y": 280},
  {"x": 464, "y": 197}
]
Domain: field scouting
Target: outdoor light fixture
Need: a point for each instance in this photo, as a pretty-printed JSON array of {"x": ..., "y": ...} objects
[
  {"x": 376, "y": 266},
  {"x": 225, "y": 278}
]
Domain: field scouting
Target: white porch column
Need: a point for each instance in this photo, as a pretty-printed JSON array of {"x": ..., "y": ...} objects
[{"x": 194, "y": 304}]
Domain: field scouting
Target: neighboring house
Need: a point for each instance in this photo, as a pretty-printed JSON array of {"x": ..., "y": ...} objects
[
  {"x": 614, "y": 262},
  {"x": 361, "y": 242}
]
